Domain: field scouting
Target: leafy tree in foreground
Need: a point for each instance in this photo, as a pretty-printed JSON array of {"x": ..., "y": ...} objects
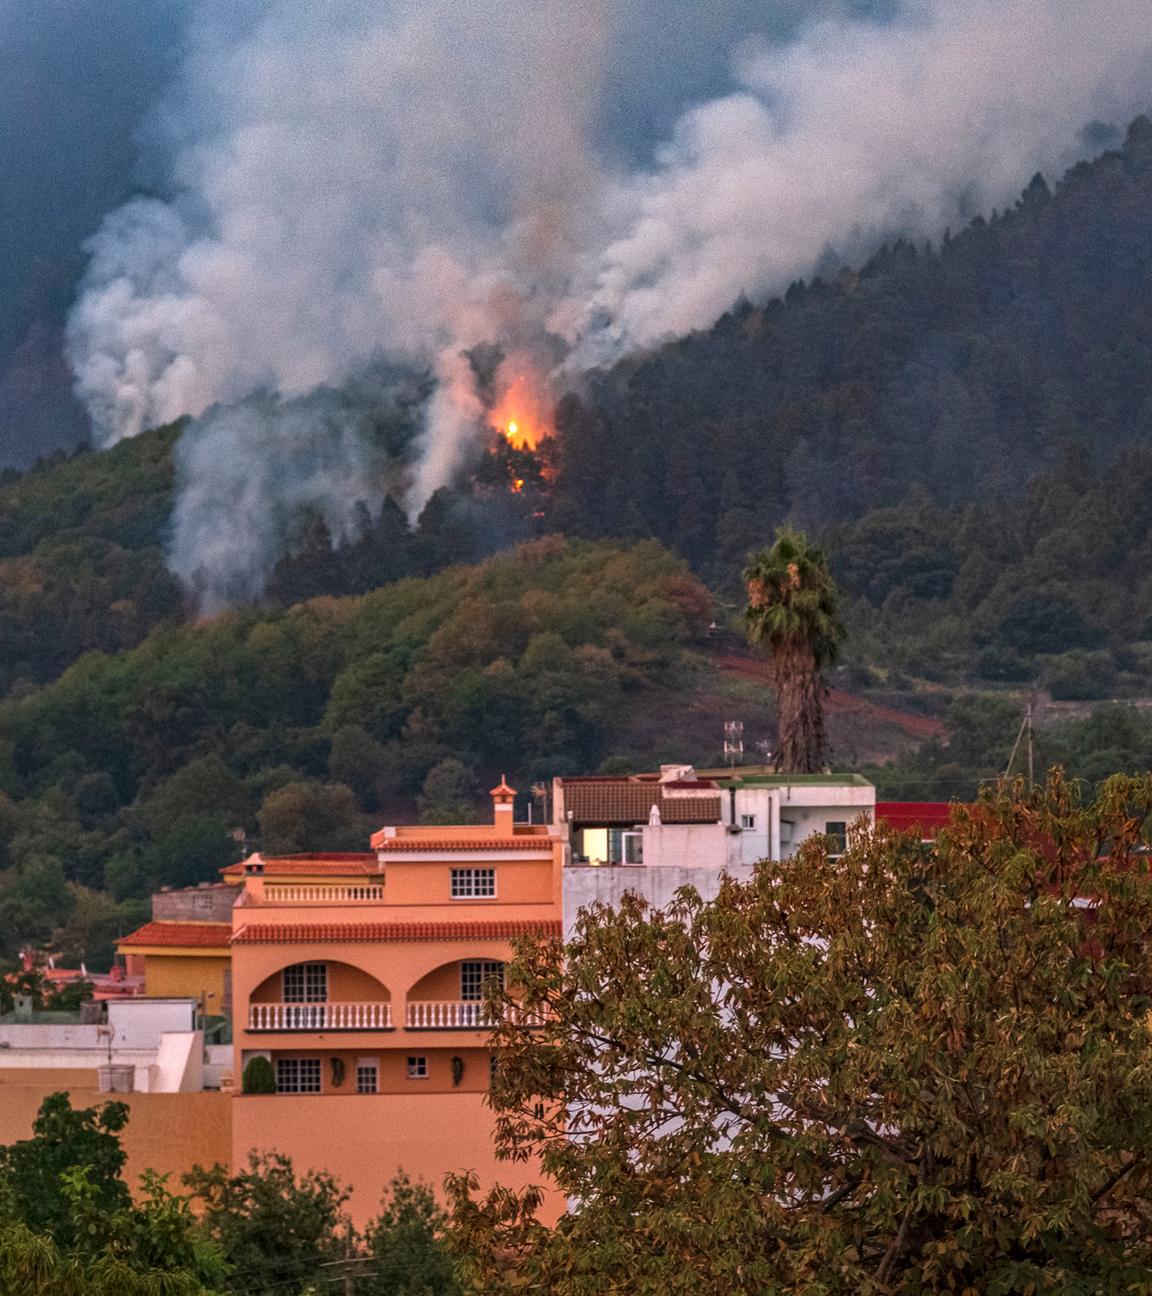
[
  {"x": 67, "y": 1227},
  {"x": 279, "y": 1233},
  {"x": 792, "y": 606},
  {"x": 409, "y": 1257},
  {"x": 65, "y": 1139},
  {"x": 908, "y": 1069}
]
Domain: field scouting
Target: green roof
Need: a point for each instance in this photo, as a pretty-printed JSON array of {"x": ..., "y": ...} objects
[{"x": 753, "y": 777}]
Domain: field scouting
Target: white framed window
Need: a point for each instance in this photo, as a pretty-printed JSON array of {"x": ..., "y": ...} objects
[
  {"x": 418, "y": 1068},
  {"x": 297, "y": 1075},
  {"x": 368, "y": 1075},
  {"x": 747, "y": 821},
  {"x": 474, "y": 973},
  {"x": 305, "y": 983},
  {"x": 473, "y": 883}
]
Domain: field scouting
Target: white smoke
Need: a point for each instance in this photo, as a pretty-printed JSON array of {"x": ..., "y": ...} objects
[
  {"x": 355, "y": 177},
  {"x": 855, "y": 128},
  {"x": 245, "y": 472}
]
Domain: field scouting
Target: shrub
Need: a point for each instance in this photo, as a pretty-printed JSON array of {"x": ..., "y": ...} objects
[
  {"x": 1081, "y": 677},
  {"x": 259, "y": 1078}
]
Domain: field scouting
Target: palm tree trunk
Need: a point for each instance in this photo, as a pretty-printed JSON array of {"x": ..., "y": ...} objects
[{"x": 800, "y": 703}]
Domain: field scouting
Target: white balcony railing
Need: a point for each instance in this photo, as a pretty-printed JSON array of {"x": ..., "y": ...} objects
[
  {"x": 458, "y": 1014},
  {"x": 319, "y": 1016},
  {"x": 366, "y": 894}
]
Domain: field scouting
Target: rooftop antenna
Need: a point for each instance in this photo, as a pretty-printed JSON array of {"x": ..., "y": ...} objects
[
  {"x": 1025, "y": 731},
  {"x": 733, "y": 742}
]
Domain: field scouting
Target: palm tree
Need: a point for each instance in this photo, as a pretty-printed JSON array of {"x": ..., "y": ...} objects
[{"x": 792, "y": 606}]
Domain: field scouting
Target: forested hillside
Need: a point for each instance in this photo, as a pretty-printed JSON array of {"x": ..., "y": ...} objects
[
  {"x": 303, "y": 727},
  {"x": 966, "y": 427}
]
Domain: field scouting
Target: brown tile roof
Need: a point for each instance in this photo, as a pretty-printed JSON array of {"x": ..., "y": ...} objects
[
  {"x": 212, "y": 935},
  {"x": 332, "y": 864},
  {"x": 622, "y": 801},
  {"x": 466, "y": 844},
  {"x": 379, "y": 933}
]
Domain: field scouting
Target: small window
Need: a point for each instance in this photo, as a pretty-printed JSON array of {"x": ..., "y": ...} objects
[
  {"x": 297, "y": 1075},
  {"x": 474, "y": 973},
  {"x": 417, "y": 1068},
  {"x": 747, "y": 821},
  {"x": 306, "y": 983},
  {"x": 838, "y": 831},
  {"x": 473, "y": 883},
  {"x": 367, "y": 1075}
]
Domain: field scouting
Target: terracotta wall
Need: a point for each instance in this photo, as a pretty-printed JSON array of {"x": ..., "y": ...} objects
[
  {"x": 366, "y": 1140},
  {"x": 392, "y": 1065},
  {"x": 169, "y": 1133},
  {"x": 518, "y": 882}
]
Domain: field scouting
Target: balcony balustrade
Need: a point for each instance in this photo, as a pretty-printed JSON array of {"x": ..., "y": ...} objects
[
  {"x": 319, "y": 1016},
  {"x": 458, "y": 1014},
  {"x": 368, "y": 893}
]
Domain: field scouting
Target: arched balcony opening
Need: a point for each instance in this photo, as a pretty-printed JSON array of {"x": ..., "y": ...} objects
[
  {"x": 320, "y": 995},
  {"x": 452, "y": 997}
]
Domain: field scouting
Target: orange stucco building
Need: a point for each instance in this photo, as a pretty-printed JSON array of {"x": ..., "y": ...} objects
[{"x": 360, "y": 978}]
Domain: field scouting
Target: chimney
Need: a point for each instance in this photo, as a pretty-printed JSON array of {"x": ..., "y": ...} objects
[{"x": 503, "y": 807}]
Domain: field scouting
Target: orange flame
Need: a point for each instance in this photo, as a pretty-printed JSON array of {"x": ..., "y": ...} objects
[{"x": 523, "y": 413}]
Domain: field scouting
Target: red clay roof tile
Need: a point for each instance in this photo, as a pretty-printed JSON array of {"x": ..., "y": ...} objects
[
  {"x": 210, "y": 935},
  {"x": 467, "y": 844},
  {"x": 333, "y": 864},
  {"x": 379, "y": 933}
]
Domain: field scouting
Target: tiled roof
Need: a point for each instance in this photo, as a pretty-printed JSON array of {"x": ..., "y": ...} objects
[
  {"x": 380, "y": 933},
  {"x": 466, "y": 844},
  {"x": 332, "y": 864},
  {"x": 201, "y": 934},
  {"x": 622, "y": 801},
  {"x": 927, "y": 816}
]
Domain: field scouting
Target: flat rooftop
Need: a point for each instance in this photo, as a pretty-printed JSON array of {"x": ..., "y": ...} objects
[{"x": 746, "y": 778}]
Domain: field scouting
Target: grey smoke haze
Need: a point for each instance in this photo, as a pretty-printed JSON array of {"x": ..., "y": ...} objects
[
  {"x": 245, "y": 472},
  {"x": 75, "y": 80},
  {"x": 415, "y": 178}
]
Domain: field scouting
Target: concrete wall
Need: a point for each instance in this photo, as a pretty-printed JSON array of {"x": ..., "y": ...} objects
[
  {"x": 195, "y": 904},
  {"x": 365, "y": 1140},
  {"x": 584, "y": 885},
  {"x": 169, "y": 1133},
  {"x": 139, "y": 1023},
  {"x": 689, "y": 846}
]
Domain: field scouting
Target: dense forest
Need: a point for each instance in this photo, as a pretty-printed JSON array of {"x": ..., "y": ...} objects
[
  {"x": 299, "y": 729},
  {"x": 964, "y": 427}
]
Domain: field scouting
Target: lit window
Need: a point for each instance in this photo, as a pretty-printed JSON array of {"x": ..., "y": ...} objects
[
  {"x": 367, "y": 1075},
  {"x": 297, "y": 1075},
  {"x": 417, "y": 1068},
  {"x": 838, "y": 831},
  {"x": 473, "y": 883},
  {"x": 747, "y": 821},
  {"x": 474, "y": 973},
  {"x": 306, "y": 983}
]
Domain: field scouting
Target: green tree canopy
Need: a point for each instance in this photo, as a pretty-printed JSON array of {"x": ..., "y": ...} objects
[
  {"x": 65, "y": 1139},
  {"x": 906, "y": 1069},
  {"x": 278, "y": 1232}
]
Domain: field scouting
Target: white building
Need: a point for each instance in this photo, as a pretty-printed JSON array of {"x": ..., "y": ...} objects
[
  {"x": 137, "y": 1046},
  {"x": 653, "y": 833}
]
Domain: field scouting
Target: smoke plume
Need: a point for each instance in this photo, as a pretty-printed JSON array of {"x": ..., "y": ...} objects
[{"x": 414, "y": 180}]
